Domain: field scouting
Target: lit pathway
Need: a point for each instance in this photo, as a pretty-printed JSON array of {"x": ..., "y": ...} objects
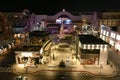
[{"x": 62, "y": 54}]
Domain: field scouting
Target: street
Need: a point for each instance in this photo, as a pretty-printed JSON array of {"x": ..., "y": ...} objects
[{"x": 48, "y": 75}]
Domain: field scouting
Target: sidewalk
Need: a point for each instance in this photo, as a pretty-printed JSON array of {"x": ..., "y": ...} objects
[{"x": 94, "y": 70}]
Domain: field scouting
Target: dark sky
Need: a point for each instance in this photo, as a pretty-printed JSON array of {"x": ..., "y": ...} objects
[{"x": 54, "y": 6}]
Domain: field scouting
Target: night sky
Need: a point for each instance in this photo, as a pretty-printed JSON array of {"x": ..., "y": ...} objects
[{"x": 54, "y": 6}]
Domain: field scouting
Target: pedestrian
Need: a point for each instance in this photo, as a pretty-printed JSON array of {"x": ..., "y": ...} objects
[{"x": 53, "y": 57}]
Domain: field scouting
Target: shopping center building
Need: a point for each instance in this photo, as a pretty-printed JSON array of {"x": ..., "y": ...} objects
[
  {"x": 111, "y": 37},
  {"x": 92, "y": 50}
]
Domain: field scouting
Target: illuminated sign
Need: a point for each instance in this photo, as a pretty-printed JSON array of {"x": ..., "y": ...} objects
[{"x": 27, "y": 54}]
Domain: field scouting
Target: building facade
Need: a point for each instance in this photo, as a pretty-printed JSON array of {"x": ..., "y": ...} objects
[
  {"x": 92, "y": 50},
  {"x": 110, "y": 18},
  {"x": 112, "y": 37},
  {"x": 6, "y": 34}
]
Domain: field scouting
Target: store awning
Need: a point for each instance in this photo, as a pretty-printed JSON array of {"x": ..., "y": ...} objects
[
  {"x": 88, "y": 56},
  {"x": 90, "y": 51}
]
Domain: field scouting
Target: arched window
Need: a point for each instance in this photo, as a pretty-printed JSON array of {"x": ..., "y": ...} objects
[{"x": 63, "y": 19}]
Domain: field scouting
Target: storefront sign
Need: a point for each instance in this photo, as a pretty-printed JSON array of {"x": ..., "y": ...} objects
[{"x": 27, "y": 54}]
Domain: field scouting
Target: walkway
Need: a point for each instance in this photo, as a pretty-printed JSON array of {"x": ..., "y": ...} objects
[{"x": 93, "y": 69}]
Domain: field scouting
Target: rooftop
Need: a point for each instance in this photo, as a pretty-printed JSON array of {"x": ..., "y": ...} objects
[
  {"x": 90, "y": 39},
  {"x": 38, "y": 33}
]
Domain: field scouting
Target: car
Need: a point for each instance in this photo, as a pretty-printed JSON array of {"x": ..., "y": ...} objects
[
  {"x": 20, "y": 78},
  {"x": 67, "y": 59}
]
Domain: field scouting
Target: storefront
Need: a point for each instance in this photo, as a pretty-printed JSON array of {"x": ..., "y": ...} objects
[
  {"x": 107, "y": 36},
  {"x": 6, "y": 47},
  {"x": 112, "y": 39},
  {"x": 19, "y": 37},
  {"x": 90, "y": 57},
  {"x": 92, "y": 50},
  {"x": 29, "y": 59},
  {"x": 117, "y": 45}
]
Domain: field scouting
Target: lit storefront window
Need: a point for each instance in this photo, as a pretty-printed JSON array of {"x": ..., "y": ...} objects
[
  {"x": 107, "y": 33},
  {"x": 105, "y": 47},
  {"x": 117, "y": 46},
  {"x": 97, "y": 46},
  {"x": 118, "y": 37},
  {"x": 101, "y": 32},
  {"x": 84, "y": 46},
  {"x": 88, "y": 46},
  {"x": 93, "y": 46},
  {"x": 104, "y": 32},
  {"x": 101, "y": 36},
  {"x": 112, "y": 42},
  {"x": 112, "y": 35}
]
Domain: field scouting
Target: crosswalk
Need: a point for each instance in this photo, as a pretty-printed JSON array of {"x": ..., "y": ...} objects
[
  {"x": 85, "y": 74},
  {"x": 5, "y": 69}
]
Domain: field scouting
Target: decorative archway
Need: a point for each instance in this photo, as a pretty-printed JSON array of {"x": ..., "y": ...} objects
[{"x": 64, "y": 13}]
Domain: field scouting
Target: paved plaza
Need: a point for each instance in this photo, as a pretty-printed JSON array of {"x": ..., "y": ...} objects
[{"x": 71, "y": 64}]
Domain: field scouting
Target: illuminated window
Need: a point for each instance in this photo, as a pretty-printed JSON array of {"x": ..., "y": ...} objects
[
  {"x": 101, "y": 31},
  {"x": 105, "y": 46},
  {"x": 101, "y": 46},
  {"x": 88, "y": 46},
  {"x": 100, "y": 36},
  {"x": 118, "y": 37},
  {"x": 84, "y": 46},
  {"x": 112, "y": 35},
  {"x": 107, "y": 33},
  {"x": 93, "y": 46},
  {"x": 104, "y": 32}
]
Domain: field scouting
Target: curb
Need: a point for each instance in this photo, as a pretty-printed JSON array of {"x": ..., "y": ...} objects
[{"x": 90, "y": 73}]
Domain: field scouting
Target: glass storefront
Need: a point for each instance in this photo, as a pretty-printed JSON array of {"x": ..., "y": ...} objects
[
  {"x": 90, "y": 61},
  {"x": 90, "y": 57},
  {"x": 29, "y": 59}
]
